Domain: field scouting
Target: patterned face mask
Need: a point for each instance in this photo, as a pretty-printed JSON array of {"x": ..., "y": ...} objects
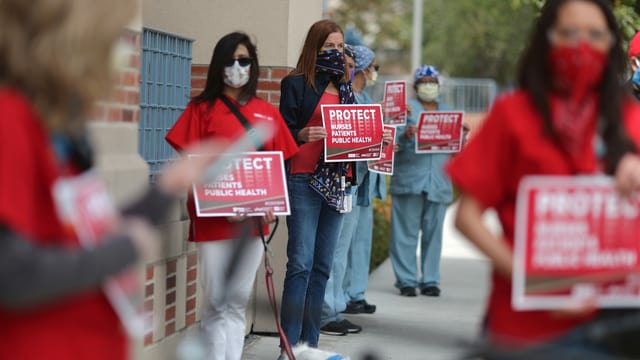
[{"x": 331, "y": 62}]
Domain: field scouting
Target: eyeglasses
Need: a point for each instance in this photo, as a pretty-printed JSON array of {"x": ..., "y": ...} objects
[
  {"x": 599, "y": 38},
  {"x": 376, "y": 67},
  {"x": 243, "y": 61}
]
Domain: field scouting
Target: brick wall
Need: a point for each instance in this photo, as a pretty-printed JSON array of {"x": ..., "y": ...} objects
[
  {"x": 125, "y": 101},
  {"x": 268, "y": 82}
]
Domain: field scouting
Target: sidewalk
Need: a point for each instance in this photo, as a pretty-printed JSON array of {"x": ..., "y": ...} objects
[{"x": 412, "y": 328}]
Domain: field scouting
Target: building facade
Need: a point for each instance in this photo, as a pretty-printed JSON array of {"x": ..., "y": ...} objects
[{"x": 172, "y": 43}]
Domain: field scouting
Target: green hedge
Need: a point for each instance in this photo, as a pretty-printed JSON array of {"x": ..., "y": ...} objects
[{"x": 381, "y": 232}]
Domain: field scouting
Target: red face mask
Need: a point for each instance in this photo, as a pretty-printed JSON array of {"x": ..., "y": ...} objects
[{"x": 576, "y": 70}]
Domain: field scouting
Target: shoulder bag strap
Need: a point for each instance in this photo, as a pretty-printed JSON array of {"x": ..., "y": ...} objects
[{"x": 243, "y": 121}]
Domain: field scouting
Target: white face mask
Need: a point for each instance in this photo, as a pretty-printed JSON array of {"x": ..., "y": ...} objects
[
  {"x": 428, "y": 92},
  {"x": 374, "y": 77},
  {"x": 236, "y": 76}
]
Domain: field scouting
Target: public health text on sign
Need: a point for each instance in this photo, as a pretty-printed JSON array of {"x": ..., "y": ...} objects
[
  {"x": 575, "y": 238},
  {"x": 254, "y": 183},
  {"x": 354, "y": 132},
  {"x": 439, "y": 132}
]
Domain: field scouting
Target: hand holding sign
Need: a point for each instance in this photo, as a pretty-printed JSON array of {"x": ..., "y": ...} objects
[
  {"x": 385, "y": 164},
  {"x": 312, "y": 133},
  {"x": 627, "y": 175}
]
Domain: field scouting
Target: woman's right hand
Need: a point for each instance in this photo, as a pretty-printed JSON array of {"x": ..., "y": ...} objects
[
  {"x": 410, "y": 131},
  {"x": 312, "y": 133}
]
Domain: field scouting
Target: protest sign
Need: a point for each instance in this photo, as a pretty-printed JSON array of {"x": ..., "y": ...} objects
[
  {"x": 575, "y": 238},
  {"x": 385, "y": 164},
  {"x": 251, "y": 184},
  {"x": 395, "y": 103},
  {"x": 84, "y": 205},
  {"x": 439, "y": 132},
  {"x": 354, "y": 132}
]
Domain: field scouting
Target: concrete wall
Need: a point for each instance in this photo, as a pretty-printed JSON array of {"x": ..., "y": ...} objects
[{"x": 279, "y": 26}]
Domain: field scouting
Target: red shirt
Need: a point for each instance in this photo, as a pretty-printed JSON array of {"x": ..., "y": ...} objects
[
  {"x": 83, "y": 325},
  {"x": 305, "y": 161},
  {"x": 203, "y": 120},
  {"x": 510, "y": 145}
]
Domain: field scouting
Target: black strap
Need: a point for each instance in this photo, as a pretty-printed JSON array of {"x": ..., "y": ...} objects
[{"x": 256, "y": 139}]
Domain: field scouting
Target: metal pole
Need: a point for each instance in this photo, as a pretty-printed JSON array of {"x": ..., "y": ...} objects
[{"x": 416, "y": 46}]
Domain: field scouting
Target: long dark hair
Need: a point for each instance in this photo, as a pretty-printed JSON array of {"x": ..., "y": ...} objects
[
  {"x": 317, "y": 35},
  {"x": 535, "y": 77},
  {"x": 222, "y": 53}
]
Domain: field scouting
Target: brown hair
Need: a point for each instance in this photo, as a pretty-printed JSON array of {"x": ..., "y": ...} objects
[
  {"x": 57, "y": 53},
  {"x": 316, "y": 37}
]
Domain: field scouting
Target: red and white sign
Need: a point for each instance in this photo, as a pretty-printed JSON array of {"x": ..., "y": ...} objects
[
  {"x": 354, "y": 132},
  {"x": 252, "y": 184},
  {"x": 84, "y": 205},
  {"x": 439, "y": 132},
  {"x": 395, "y": 103},
  {"x": 575, "y": 238},
  {"x": 385, "y": 164}
]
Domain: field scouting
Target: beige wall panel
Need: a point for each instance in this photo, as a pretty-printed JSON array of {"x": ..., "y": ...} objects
[
  {"x": 278, "y": 26},
  {"x": 303, "y": 14}
]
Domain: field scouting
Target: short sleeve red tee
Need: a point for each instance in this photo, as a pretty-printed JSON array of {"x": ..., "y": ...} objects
[
  {"x": 206, "y": 120},
  {"x": 512, "y": 144},
  {"x": 80, "y": 326}
]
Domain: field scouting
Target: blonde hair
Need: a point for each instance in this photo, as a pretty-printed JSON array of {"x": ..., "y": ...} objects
[{"x": 57, "y": 52}]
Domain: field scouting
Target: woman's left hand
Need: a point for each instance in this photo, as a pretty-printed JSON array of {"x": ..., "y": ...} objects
[
  {"x": 387, "y": 137},
  {"x": 268, "y": 218},
  {"x": 627, "y": 175},
  {"x": 581, "y": 308}
]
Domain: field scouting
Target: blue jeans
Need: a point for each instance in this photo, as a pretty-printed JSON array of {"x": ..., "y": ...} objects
[
  {"x": 357, "y": 276},
  {"x": 334, "y": 297},
  {"x": 313, "y": 232},
  {"x": 410, "y": 214}
]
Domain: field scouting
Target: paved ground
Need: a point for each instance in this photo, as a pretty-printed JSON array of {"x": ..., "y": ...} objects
[{"x": 412, "y": 328}]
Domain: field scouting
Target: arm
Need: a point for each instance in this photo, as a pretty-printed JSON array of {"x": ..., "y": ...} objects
[
  {"x": 627, "y": 175},
  {"x": 290, "y": 102},
  {"x": 469, "y": 222},
  {"x": 31, "y": 275}
]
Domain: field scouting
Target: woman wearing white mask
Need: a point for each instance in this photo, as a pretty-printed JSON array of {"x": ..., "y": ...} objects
[
  {"x": 421, "y": 192},
  {"x": 228, "y": 266}
]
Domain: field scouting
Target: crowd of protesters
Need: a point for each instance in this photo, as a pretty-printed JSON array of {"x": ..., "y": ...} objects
[{"x": 570, "y": 115}]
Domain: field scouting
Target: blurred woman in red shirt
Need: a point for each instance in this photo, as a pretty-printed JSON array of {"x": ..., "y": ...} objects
[{"x": 570, "y": 115}]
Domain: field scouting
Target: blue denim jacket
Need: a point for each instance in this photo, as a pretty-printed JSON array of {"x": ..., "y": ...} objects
[{"x": 417, "y": 173}]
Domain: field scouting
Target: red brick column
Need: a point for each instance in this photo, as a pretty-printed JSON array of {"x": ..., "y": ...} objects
[{"x": 124, "y": 104}]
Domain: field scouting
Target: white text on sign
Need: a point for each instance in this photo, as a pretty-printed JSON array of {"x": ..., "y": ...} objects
[{"x": 352, "y": 114}]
